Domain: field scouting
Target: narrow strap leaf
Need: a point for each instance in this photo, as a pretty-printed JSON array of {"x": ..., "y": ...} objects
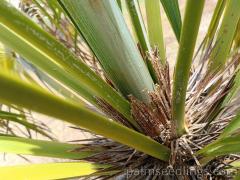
[
  {"x": 188, "y": 39},
  {"x": 212, "y": 29},
  {"x": 231, "y": 128},
  {"x": 233, "y": 91},
  {"x": 171, "y": 8},
  {"x": 43, "y": 62},
  {"x": 14, "y": 91},
  {"x": 237, "y": 37},
  {"x": 228, "y": 145},
  {"x": 43, "y": 50},
  {"x": 237, "y": 177},
  {"x": 138, "y": 24},
  {"x": 22, "y": 121},
  {"x": 154, "y": 23},
  {"x": 120, "y": 4},
  {"x": 51, "y": 171},
  {"x": 102, "y": 25},
  {"x": 33, "y": 147},
  {"x": 225, "y": 35}
]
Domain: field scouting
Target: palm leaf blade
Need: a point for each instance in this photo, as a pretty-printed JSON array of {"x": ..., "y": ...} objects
[
  {"x": 173, "y": 13},
  {"x": 184, "y": 59},
  {"x": 225, "y": 35},
  {"x": 11, "y": 88},
  {"x": 111, "y": 41},
  {"x": 50, "y": 171},
  {"x": 89, "y": 84},
  {"x": 228, "y": 145},
  {"x": 12, "y": 117},
  {"x": 51, "y": 149},
  {"x": 154, "y": 23},
  {"x": 138, "y": 24}
]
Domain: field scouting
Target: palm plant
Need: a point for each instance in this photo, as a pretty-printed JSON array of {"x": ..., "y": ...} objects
[{"x": 77, "y": 61}]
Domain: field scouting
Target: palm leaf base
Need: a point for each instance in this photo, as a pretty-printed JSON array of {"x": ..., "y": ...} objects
[{"x": 206, "y": 117}]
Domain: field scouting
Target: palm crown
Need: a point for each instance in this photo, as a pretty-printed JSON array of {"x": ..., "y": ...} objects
[{"x": 143, "y": 117}]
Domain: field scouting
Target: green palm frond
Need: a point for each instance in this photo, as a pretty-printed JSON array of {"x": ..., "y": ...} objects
[
  {"x": 217, "y": 15},
  {"x": 60, "y": 63},
  {"x": 20, "y": 119},
  {"x": 138, "y": 24},
  {"x": 116, "y": 52},
  {"x": 173, "y": 13},
  {"x": 53, "y": 171},
  {"x": 225, "y": 35},
  {"x": 229, "y": 145},
  {"x": 191, "y": 24},
  {"x": 18, "y": 145},
  {"x": 155, "y": 30},
  {"x": 75, "y": 114}
]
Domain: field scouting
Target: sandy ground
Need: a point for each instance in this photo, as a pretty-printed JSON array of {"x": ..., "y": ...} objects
[{"x": 62, "y": 130}]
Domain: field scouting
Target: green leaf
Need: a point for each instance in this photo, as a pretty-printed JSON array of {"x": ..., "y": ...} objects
[
  {"x": 225, "y": 35},
  {"x": 45, "y": 12},
  {"x": 171, "y": 8},
  {"x": 236, "y": 164},
  {"x": 229, "y": 145},
  {"x": 231, "y": 128},
  {"x": 120, "y": 4},
  {"x": 234, "y": 167},
  {"x": 54, "y": 85},
  {"x": 138, "y": 24},
  {"x": 212, "y": 28},
  {"x": 51, "y": 149},
  {"x": 39, "y": 59},
  {"x": 102, "y": 25},
  {"x": 18, "y": 118},
  {"x": 237, "y": 37},
  {"x": 154, "y": 23},
  {"x": 40, "y": 48},
  {"x": 50, "y": 171},
  {"x": 233, "y": 91},
  {"x": 189, "y": 33},
  {"x": 237, "y": 177},
  {"x": 14, "y": 91},
  {"x": 4, "y": 114},
  {"x": 6, "y": 60}
]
